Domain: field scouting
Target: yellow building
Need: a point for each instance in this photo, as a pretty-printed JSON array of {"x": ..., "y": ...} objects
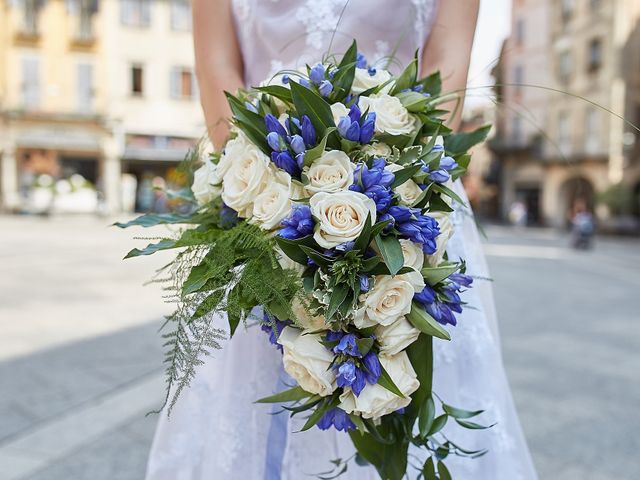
[
  {"x": 557, "y": 150},
  {"x": 96, "y": 88}
]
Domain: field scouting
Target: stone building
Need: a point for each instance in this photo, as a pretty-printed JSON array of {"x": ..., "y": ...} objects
[
  {"x": 558, "y": 150},
  {"x": 96, "y": 88}
]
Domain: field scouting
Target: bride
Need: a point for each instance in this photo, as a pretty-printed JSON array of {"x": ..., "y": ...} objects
[{"x": 215, "y": 430}]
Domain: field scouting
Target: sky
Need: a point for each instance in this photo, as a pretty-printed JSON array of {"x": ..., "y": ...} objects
[{"x": 494, "y": 25}]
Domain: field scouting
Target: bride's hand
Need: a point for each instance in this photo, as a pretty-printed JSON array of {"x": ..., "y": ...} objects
[{"x": 218, "y": 63}]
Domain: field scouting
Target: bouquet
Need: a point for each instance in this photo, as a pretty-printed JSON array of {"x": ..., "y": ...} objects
[{"x": 329, "y": 208}]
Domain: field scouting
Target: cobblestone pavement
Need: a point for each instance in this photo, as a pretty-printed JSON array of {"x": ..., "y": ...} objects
[{"x": 80, "y": 356}]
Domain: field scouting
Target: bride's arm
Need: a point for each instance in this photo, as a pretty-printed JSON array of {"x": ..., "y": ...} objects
[
  {"x": 218, "y": 62},
  {"x": 448, "y": 48}
]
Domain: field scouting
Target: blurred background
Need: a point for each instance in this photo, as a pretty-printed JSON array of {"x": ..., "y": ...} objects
[{"x": 99, "y": 103}]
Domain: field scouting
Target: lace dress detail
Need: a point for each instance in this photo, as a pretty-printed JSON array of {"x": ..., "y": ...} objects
[{"x": 215, "y": 430}]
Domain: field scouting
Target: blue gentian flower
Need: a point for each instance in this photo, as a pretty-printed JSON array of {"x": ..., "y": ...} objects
[
  {"x": 426, "y": 296},
  {"x": 286, "y": 162},
  {"x": 439, "y": 176},
  {"x": 228, "y": 217},
  {"x": 251, "y": 107},
  {"x": 386, "y": 217},
  {"x": 361, "y": 61},
  {"x": 305, "y": 83},
  {"x": 371, "y": 71},
  {"x": 298, "y": 224},
  {"x": 375, "y": 183},
  {"x": 276, "y": 142},
  {"x": 364, "y": 283},
  {"x": 334, "y": 336},
  {"x": 355, "y": 128},
  {"x": 460, "y": 280},
  {"x": 308, "y": 131},
  {"x": 325, "y": 88},
  {"x": 448, "y": 163},
  {"x": 337, "y": 418},
  {"x": 346, "y": 374},
  {"x": 348, "y": 346},
  {"x": 273, "y": 125},
  {"x": 297, "y": 144},
  {"x": 285, "y": 79},
  {"x": 316, "y": 74},
  {"x": 415, "y": 226},
  {"x": 274, "y": 327},
  {"x": 373, "y": 369}
]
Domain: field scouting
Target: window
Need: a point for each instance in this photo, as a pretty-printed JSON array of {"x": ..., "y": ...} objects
[
  {"x": 180, "y": 15},
  {"x": 135, "y": 13},
  {"x": 564, "y": 133},
  {"x": 31, "y": 82},
  {"x": 565, "y": 66},
  {"x": 595, "y": 55},
  {"x": 591, "y": 131},
  {"x": 520, "y": 31},
  {"x": 85, "y": 19},
  {"x": 30, "y": 12},
  {"x": 85, "y": 87},
  {"x": 183, "y": 83},
  {"x": 518, "y": 77},
  {"x": 516, "y": 133},
  {"x": 137, "y": 80},
  {"x": 566, "y": 10}
]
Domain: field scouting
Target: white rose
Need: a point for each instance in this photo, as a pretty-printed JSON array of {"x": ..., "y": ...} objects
[
  {"x": 389, "y": 299},
  {"x": 341, "y": 216},
  {"x": 206, "y": 182},
  {"x": 363, "y": 81},
  {"x": 397, "y": 336},
  {"x": 273, "y": 204},
  {"x": 305, "y": 319},
  {"x": 446, "y": 232},
  {"x": 409, "y": 191},
  {"x": 308, "y": 361},
  {"x": 377, "y": 149},
  {"x": 332, "y": 172},
  {"x": 339, "y": 110},
  {"x": 375, "y": 401},
  {"x": 247, "y": 175},
  {"x": 413, "y": 258},
  {"x": 233, "y": 149},
  {"x": 391, "y": 116}
]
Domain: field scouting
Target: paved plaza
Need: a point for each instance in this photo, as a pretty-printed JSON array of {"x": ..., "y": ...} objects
[{"x": 80, "y": 357}]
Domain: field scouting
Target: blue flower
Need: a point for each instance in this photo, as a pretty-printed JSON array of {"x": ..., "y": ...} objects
[
  {"x": 251, "y": 107},
  {"x": 273, "y": 125},
  {"x": 316, "y": 74},
  {"x": 337, "y": 418},
  {"x": 460, "y": 280},
  {"x": 372, "y": 71},
  {"x": 298, "y": 224},
  {"x": 448, "y": 163},
  {"x": 426, "y": 296},
  {"x": 346, "y": 374},
  {"x": 325, "y": 88},
  {"x": 286, "y": 162},
  {"x": 334, "y": 336},
  {"x": 375, "y": 183},
  {"x": 439, "y": 176},
  {"x": 273, "y": 327},
  {"x": 228, "y": 217},
  {"x": 364, "y": 283},
  {"x": 297, "y": 144},
  {"x": 276, "y": 142},
  {"x": 416, "y": 227},
  {"x": 372, "y": 368},
  {"x": 348, "y": 346},
  {"x": 285, "y": 79},
  {"x": 355, "y": 128},
  {"x": 361, "y": 61},
  {"x": 386, "y": 217},
  {"x": 308, "y": 132}
]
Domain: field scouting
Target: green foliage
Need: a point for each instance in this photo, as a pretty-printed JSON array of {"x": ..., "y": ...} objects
[
  {"x": 460, "y": 143},
  {"x": 619, "y": 199}
]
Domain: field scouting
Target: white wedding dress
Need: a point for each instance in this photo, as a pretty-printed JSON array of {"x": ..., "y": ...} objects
[{"x": 216, "y": 431}]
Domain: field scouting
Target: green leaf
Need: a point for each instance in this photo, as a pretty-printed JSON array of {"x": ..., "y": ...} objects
[
  {"x": 460, "y": 143},
  {"x": 472, "y": 425},
  {"x": 429, "y": 470},
  {"x": 413, "y": 101},
  {"x": 357, "y": 420},
  {"x": 421, "y": 356},
  {"x": 251, "y": 123},
  {"x": 291, "y": 248},
  {"x": 343, "y": 79},
  {"x": 443, "y": 472},
  {"x": 317, "y": 257},
  {"x": 386, "y": 381},
  {"x": 434, "y": 275},
  {"x": 364, "y": 345},
  {"x": 447, "y": 191},
  {"x": 401, "y": 176},
  {"x": 407, "y": 78},
  {"x": 316, "y": 152},
  {"x": 278, "y": 91},
  {"x": 427, "y": 415},
  {"x": 208, "y": 304},
  {"x": 363, "y": 240},
  {"x": 196, "y": 279},
  {"x": 391, "y": 252},
  {"x": 309, "y": 103},
  {"x": 292, "y": 395},
  {"x": 432, "y": 84},
  {"x": 426, "y": 323},
  {"x": 153, "y": 219},
  {"x": 152, "y": 248},
  {"x": 409, "y": 155},
  {"x": 459, "y": 413},
  {"x": 438, "y": 424},
  {"x": 338, "y": 296}
]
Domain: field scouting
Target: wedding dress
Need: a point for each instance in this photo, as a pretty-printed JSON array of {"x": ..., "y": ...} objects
[{"x": 216, "y": 431}]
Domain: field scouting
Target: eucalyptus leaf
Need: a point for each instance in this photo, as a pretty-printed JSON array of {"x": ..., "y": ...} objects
[
  {"x": 438, "y": 424},
  {"x": 443, "y": 471},
  {"x": 292, "y": 395},
  {"x": 435, "y": 275},
  {"x": 472, "y": 425},
  {"x": 459, "y": 413},
  {"x": 429, "y": 470},
  {"x": 426, "y": 417}
]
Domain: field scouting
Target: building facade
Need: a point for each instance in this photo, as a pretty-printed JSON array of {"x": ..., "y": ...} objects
[
  {"x": 558, "y": 146},
  {"x": 97, "y": 89}
]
